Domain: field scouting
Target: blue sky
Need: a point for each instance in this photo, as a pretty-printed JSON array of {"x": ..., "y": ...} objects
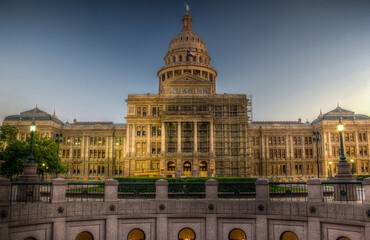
[{"x": 83, "y": 57}]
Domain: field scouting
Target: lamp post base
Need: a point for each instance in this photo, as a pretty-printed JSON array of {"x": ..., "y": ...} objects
[
  {"x": 31, "y": 192},
  {"x": 344, "y": 191}
]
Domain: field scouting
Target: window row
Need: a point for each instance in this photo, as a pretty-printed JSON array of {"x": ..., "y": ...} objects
[
  {"x": 191, "y": 90},
  {"x": 349, "y": 137},
  {"x": 97, "y": 154},
  {"x": 142, "y": 111},
  {"x": 72, "y": 140},
  {"x": 141, "y": 131}
]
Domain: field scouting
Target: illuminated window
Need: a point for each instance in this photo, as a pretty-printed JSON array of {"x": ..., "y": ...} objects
[
  {"x": 136, "y": 234},
  {"x": 237, "y": 234},
  {"x": 288, "y": 236},
  {"x": 85, "y": 236},
  {"x": 171, "y": 166},
  {"x": 186, "y": 234}
]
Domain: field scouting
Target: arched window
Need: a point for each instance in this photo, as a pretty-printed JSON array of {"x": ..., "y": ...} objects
[
  {"x": 203, "y": 166},
  {"x": 30, "y": 238},
  {"x": 187, "y": 234},
  {"x": 171, "y": 166},
  {"x": 180, "y": 58},
  {"x": 187, "y": 166},
  {"x": 136, "y": 234},
  {"x": 85, "y": 236},
  {"x": 288, "y": 236},
  {"x": 237, "y": 234},
  {"x": 343, "y": 238}
]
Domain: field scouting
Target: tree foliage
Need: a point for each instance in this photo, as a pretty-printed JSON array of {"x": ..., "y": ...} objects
[{"x": 15, "y": 153}]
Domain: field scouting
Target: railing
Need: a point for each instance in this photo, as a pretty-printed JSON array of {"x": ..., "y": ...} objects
[
  {"x": 136, "y": 190},
  {"x": 29, "y": 192},
  {"x": 186, "y": 190},
  {"x": 343, "y": 191},
  {"x": 237, "y": 190},
  {"x": 288, "y": 191},
  {"x": 84, "y": 191}
]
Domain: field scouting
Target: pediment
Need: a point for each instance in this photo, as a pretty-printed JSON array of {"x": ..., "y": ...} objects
[{"x": 186, "y": 79}]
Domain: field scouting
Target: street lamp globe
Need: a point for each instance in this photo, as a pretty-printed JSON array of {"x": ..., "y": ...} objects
[
  {"x": 32, "y": 127},
  {"x": 340, "y": 127}
]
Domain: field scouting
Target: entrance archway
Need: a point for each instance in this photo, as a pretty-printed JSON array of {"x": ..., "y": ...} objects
[
  {"x": 187, "y": 169},
  {"x": 203, "y": 169},
  {"x": 288, "y": 236},
  {"x": 171, "y": 166}
]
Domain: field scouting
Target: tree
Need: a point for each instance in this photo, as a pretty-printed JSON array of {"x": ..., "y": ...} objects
[{"x": 15, "y": 153}]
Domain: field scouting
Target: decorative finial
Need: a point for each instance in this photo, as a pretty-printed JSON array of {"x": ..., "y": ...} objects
[
  {"x": 337, "y": 104},
  {"x": 186, "y": 7},
  {"x": 320, "y": 112},
  {"x": 54, "y": 112}
]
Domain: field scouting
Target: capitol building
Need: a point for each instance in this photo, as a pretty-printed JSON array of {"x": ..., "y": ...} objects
[{"x": 188, "y": 129}]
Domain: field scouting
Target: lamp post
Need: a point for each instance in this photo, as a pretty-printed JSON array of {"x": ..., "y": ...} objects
[
  {"x": 32, "y": 130},
  {"x": 340, "y": 130},
  {"x": 352, "y": 165},
  {"x": 58, "y": 140},
  {"x": 316, "y": 138}
]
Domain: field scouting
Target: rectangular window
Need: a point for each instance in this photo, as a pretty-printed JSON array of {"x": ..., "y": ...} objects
[
  {"x": 159, "y": 129},
  {"x": 144, "y": 130},
  {"x": 138, "y": 111},
  {"x": 360, "y": 137},
  {"x": 154, "y": 111},
  {"x": 159, "y": 145},
  {"x": 144, "y": 149},
  {"x": 67, "y": 154},
  {"x": 144, "y": 111},
  {"x": 103, "y": 154},
  {"x": 154, "y": 131},
  {"x": 346, "y": 137},
  {"x": 352, "y": 151},
  {"x": 294, "y": 140},
  {"x": 138, "y": 129},
  {"x": 138, "y": 148}
]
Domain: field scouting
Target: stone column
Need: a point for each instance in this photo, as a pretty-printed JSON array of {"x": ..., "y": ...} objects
[
  {"x": 314, "y": 229},
  {"x": 261, "y": 227},
  {"x": 59, "y": 229},
  {"x": 262, "y": 190},
  {"x": 162, "y": 227},
  {"x": 148, "y": 144},
  {"x": 133, "y": 143},
  {"x": 58, "y": 190},
  {"x": 315, "y": 192},
  {"x": 127, "y": 153},
  {"x": 211, "y": 189},
  {"x": 179, "y": 137},
  {"x": 163, "y": 138},
  {"x": 111, "y": 227},
  {"x": 195, "y": 150},
  {"x": 4, "y": 191},
  {"x": 83, "y": 147},
  {"x": 110, "y": 190},
  {"x": 161, "y": 189},
  {"x": 211, "y": 227},
  {"x": 211, "y": 140},
  {"x": 366, "y": 186}
]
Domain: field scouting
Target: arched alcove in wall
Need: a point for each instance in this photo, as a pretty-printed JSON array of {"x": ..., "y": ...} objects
[
  {"x": 237, "y": 234},
  {"x": 187, "y": 234},
  {"x": 343, "y": 238},
  {"x": 288, "y": 236},
  {"x": 30, "y": 238},
  {"x": 85, "y": 236},
  {"x": 136, "y": 234}
]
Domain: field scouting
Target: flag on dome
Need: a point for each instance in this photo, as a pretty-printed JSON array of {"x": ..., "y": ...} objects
[{"x": 191, "y": 54}]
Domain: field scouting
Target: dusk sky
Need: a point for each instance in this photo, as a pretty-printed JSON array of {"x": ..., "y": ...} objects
[{"x": 83, "y": 57}]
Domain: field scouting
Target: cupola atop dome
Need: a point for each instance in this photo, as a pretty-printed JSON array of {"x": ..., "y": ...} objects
[{"x": 187, "y": 60}]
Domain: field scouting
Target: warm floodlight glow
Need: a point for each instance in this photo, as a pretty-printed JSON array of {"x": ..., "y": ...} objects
[
  {"x": 330, "y": 162},
  {"x": 32, "y": 127},
  {"x": 340, "y": 127},
  {"x": 351, "y": 160}
]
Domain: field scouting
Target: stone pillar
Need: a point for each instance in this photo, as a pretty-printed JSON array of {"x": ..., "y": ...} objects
[
  {"x": 148, "y": 144},
  {"x": 29, "y": 173},
  {"x": 195, "y": 137},
  {"x": 366, "y": 186},
  {"x": 110, "y": 190},
  {"x": 133, "y": 143},
  {"x": 161, "y": 189},
  {"x": 111, "y": 227},
  {"x": 211, "y": 227},
  {"x": 4, "y": 191},
  {"x": 211, "y": 189},
  {"x": 314, "y": 229},
  {"x": 127, "y": 153},
  {"x": 314, "y": 188},
  {"x": 29, "y": 193},
  {"x": 59, "y": 229},
  {"x": 211, "y": 141},
  {"x": 261, "y": 227},
  {"x": 163, "y": 138},
  {"x": 179, "y": 137},
  {"x": 162, "y": 227},
  {"x": 262, "y": 190},
  {"x": 58, "y": 190}
]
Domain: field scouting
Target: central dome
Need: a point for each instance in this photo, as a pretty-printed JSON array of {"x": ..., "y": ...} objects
[{"x": 187, "y": 40}]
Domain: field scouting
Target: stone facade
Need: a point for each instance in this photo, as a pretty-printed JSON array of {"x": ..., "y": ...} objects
[{"x": 187, "y": 129}]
